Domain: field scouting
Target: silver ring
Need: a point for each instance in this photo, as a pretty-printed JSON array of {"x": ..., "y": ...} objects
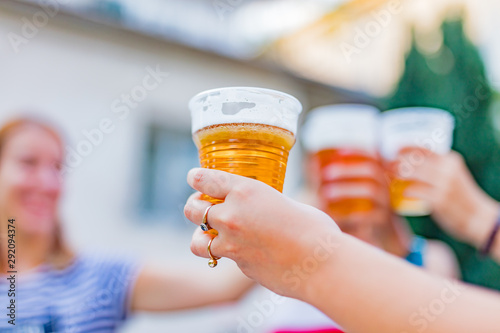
[{"x": 204, "y": 225}]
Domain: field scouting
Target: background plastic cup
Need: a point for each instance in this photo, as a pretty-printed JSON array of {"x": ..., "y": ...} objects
[
  {"x": 414, "y": 130},
  {"x": 343, "y": 136},
  {"x": 246, "y": 131},
  {"x": 341, "y": 126}
]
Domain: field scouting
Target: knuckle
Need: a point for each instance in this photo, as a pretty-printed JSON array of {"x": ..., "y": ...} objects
[
  {"x": 230, "y": 249},
  {"x": 198, "y": 178},
  {"x": 223, "y": 179},
  {"x": 232, "y": 225},
  {"x": 243, "y": 191},
  {"x": 230, "y": 220}
]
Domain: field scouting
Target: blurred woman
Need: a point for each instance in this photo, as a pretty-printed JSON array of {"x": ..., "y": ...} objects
[{"x": 63, "y": 291}]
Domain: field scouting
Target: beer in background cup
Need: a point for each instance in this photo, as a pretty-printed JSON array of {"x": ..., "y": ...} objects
[
  {"x": 414, "y": 131},
  {"x": 345, "y": 136}
]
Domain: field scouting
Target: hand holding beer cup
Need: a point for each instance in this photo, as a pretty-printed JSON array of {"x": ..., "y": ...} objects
[
  {"x": 244, "y": 131},
  {"x": 344, "y": 166},
  {"x": 412, "y": 138},
  {"x": 458, "y": 204}
]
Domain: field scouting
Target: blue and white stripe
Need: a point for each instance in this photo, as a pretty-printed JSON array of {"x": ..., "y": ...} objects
[{"x": 90, "y": 295}]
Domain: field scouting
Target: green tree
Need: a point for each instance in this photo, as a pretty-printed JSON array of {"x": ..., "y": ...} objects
[{"x": 454, "y": 79}]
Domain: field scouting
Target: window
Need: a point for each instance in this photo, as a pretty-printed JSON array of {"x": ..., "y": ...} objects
[{"x": 169, "y": 155}]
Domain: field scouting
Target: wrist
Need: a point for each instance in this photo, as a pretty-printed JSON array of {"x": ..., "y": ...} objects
[
  {"x": 326, "y": 254},
  {"x": 482, "y": 222}
]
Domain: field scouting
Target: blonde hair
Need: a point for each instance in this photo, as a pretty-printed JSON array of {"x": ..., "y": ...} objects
[{"x": 60, "y": 255}]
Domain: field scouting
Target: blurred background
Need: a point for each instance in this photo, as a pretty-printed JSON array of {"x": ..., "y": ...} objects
[{"x": 116, "y": 76}]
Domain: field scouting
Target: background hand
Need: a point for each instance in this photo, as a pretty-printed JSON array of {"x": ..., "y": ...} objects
[{"x": 459, "y": 205}]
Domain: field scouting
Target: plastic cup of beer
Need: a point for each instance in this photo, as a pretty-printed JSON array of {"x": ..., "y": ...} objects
[
  {"x": 343, "y": 135},
  {"x": 245, "y": 131},
  {"x": 414, "y": 131}
]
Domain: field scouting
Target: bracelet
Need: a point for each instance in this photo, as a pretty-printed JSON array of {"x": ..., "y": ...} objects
[{"x": 491, "y": 239}]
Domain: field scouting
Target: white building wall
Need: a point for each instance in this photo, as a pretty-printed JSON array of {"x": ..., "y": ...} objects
[{"x": 72, "y": 72}]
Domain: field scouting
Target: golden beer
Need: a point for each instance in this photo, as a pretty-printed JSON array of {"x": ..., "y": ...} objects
[
  {"x": 408, "y": 134},
  {"x": 252, "y": 150},
  {"x": 400, "y": 202},
  {"x": 345, "y": 206},
  {"x": 246, "y": 131},
  {"x": 404, "y": 205},
  {"x": 343, "y": 136}
]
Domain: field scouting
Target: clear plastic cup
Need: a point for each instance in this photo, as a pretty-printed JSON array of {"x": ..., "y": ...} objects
[
  {"x": 246, "y": 131},
  {"x": 414, "y": 131},
  {"x": 341, "y": 126},
  {"x": 344, "y": 136}
]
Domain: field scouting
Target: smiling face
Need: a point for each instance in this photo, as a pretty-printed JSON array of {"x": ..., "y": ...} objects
[{"x": 30, "y": 178}]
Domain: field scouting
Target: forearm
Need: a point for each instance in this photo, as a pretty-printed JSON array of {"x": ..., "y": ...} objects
[
  {"x": 211, "y": 287},
  {"x": 185, "y": 288},
  {"x": 369, "y": 291},
  {"x": 228, "y": 286}
]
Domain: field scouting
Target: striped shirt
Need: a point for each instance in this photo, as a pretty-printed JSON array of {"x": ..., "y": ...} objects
[{"x": 92, "y": 294}]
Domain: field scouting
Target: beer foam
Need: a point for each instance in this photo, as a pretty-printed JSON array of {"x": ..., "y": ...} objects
[
  {"x": 341, "y": 126},
  {"x": 244, "y": 105},
  {"x": 423, "y": 127}
]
